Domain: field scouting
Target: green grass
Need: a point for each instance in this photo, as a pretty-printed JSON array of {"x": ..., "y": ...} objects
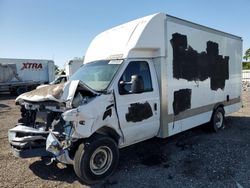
[{"x": 245, "y": 65}]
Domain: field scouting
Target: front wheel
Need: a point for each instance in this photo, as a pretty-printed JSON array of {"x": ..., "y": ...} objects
[
  {"x": 96, "y": 159},
  {"x": 217, "y": 120}
]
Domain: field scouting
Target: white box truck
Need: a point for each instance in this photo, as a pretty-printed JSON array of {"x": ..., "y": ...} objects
[
  {"x": 21, "y": 75},
  {"x": 153, "y": 77}
]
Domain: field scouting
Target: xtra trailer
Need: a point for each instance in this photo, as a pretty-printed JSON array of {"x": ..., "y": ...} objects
[
  {"x": 21, "y": 75},
  {"x": 155, "y": 76}
]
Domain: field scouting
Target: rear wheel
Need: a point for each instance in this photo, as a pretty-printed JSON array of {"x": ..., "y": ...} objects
[
  {"x": 96, "y": 159},
  {"x": 217, "y": 120}
]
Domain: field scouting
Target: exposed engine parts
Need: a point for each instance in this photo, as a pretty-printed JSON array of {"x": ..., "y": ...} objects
[{"x": 41, "y": 130}]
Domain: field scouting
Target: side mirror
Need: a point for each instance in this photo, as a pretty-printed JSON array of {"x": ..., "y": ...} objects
[{"x": 137, "y": 84}]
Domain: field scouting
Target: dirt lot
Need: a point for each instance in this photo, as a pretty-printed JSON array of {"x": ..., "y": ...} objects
[{"x": 195, "y": 158}]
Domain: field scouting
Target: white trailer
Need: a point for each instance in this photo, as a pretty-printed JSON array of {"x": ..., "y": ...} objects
[
  {"x": 21, "y": 75},
  {"x": 72, "y": 66},
  {"x": 155, "y": 76}
]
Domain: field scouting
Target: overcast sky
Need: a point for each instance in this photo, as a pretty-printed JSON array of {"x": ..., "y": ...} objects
[{"x": 61, "y": 30}]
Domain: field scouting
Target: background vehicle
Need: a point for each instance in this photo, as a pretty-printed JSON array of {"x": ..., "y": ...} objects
[
  {"x": 70, "y": 68},
  {"x": 21, "y": 75},
  {"x": 154, "y": 76}
]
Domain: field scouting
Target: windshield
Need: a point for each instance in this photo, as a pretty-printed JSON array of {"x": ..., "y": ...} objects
[{"x": 98, "y": 74}]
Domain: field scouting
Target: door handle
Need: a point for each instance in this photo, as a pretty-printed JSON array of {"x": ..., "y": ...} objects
[{"x": 155, "y": 106}]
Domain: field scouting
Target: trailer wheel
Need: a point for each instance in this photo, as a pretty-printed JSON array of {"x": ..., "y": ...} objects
[
  {"x": 217, "y": 120},
  {"x": 96, "y": 159},
  {"x": 21, "y": 90},
  {"x": 13, "y": 91}
]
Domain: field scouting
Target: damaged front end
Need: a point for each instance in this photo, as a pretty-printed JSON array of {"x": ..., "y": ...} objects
[{"x": 42, "y": 129}]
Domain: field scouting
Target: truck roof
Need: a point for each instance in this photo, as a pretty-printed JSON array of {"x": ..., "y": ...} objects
[
  {"x": 141, "y": 38},
  {"x": 202, "y": 27},
  {"x": 129, "y": 40}
]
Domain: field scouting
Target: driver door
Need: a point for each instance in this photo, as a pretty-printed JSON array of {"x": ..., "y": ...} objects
[{"x": 138, "y": 111}]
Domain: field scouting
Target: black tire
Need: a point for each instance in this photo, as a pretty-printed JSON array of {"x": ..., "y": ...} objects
[
  {"x": 13, "y": 91},
  {"x": 21, "y": 90},
  {"x": 92, "y": 155},
  {"x": 217, "y": 119}
]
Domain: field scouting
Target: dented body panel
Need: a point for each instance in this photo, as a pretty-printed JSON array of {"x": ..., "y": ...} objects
[{"x": 94, "y": 118}]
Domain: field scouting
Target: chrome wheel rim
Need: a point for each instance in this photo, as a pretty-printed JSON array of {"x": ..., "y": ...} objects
[
  {"x": 101, "y": 160},
  {"x": 219, "y": 120}
]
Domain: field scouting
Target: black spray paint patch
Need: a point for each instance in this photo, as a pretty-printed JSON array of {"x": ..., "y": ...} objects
[
  {"x": 193, "y": 66},
  {"x": 138, "y": 112},
  {"x": 108, "y": 112},
  {"x": 182, "y": 100}
]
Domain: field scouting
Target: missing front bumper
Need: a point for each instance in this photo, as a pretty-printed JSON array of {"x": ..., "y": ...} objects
[
  {"x": 29, "y": 153},
  {"x": 27, "y": 142}
]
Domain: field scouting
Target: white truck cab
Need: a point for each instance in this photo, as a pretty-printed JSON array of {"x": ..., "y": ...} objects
[{"x": 155, "y": 76}]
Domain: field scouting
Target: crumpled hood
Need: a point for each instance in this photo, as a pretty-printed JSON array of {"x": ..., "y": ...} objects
[{"x": 59, "y": 92}]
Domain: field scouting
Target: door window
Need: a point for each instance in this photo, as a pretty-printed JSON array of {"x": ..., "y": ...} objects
[{"x": 139, "y": 69}]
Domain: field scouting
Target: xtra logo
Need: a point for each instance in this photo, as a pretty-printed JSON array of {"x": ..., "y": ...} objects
[{"x": 33, "y": 66}]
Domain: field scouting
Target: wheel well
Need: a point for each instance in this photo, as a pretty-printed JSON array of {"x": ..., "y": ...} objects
[
  {"x": 102, "y": 131},
  {"x": 215, "y": 107},
  {"x": 109, "y": 132},
  {"x": 218, "y": 105}
]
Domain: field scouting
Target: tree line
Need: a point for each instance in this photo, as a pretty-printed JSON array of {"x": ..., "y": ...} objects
[{"x": 246, "y": 64}]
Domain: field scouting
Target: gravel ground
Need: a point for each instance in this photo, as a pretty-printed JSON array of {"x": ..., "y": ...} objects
[
  {"x": 195, "y": 158},
  {"x": 245, "y": 85}
]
